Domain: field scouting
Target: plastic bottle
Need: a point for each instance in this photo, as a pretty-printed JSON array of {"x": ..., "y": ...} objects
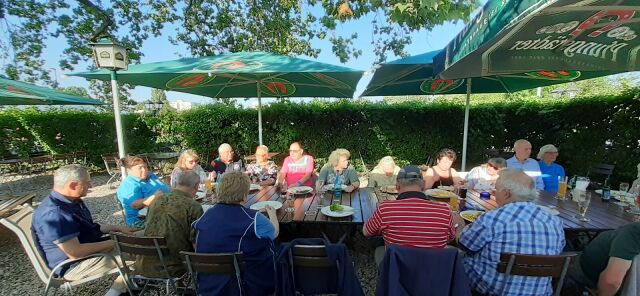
[
  {"x": 606, "y": 190},
  {"x": 337, "y": 190}
]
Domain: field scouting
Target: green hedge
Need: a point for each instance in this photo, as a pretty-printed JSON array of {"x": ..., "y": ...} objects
[
  {"x": 63, "y": 131},
  {"x": 588, "y": 130}
]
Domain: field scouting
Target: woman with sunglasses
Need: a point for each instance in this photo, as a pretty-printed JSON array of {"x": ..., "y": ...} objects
[
  {"x": 484, "y": 177},
  {"x": 188, "y": 161}
]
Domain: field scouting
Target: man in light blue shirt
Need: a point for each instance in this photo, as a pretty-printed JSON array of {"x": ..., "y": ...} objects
[{"x": 522, "y": 161}]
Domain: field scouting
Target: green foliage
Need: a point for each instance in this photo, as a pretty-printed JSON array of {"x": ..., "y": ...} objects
[
  {"x": 601, "y": 129},
  {"x": 63, "y": 131},
  {"x": 210, "y": 27}
]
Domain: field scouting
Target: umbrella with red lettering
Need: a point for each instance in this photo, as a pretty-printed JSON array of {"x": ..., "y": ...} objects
[{"x": 242, "y": 75}]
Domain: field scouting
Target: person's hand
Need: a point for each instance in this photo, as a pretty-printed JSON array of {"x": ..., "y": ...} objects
[
  {"x": 212, "y": 176},
  {"x": 269, "y": 210},
  {"x": 126, "y": 230},
  {"x": 350, "y": 188}
]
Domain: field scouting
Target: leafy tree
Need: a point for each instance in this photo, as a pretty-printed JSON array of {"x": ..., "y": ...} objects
[
  {"x": 158, "y": 96},
  {"x": 75, "y": 90},
  {"x": 209, "y": 27}
]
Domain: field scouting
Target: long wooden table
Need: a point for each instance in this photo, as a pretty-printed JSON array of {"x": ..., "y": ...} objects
[{"x": 602, "y": 215}]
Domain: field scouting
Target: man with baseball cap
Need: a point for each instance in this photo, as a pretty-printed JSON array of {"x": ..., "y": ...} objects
[{"x": 422, "y": 223}]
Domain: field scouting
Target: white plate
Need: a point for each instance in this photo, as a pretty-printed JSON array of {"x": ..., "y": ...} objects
[
  {"x": 465, "y": 215},
  {"x": 439, "y": 193},
  {"x": 143, "y": 212},
  {"x": 261, "y": 204},
  {"x": 447, "y": 188},
  {"x": 615, "y": 193},
  {"x": 253, "y": 187},
  {"x": 300, "y": 190},
  {"x": 346, "y": 211},
  {"x": 200, "y": 195},
  {"x": 549, "y": 210},
  {"x": 329, "y": 187}
]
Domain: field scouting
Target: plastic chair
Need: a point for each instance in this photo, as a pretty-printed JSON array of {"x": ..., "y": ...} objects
[
  {"x": 536, "y": 265},
  {"x": 20, "y": 224},
  {"x": 220, "y": 264}
]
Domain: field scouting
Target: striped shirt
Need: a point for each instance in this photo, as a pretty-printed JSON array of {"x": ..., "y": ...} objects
[
  {"x": 520, "y": 228},
  {"x": 413, "y": 221}
]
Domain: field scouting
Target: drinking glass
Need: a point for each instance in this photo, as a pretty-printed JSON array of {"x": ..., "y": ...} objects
[
  {"x": 583, "y": 200},
  {"x": 562, "y": 190},
  {"x": 290, "y": 203},
  {"x": 622, "y": 194},
  {"x": 634, "y": 205}
]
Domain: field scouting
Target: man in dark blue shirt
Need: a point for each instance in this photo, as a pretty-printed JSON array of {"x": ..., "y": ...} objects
[{"x": 63, "y": 228}]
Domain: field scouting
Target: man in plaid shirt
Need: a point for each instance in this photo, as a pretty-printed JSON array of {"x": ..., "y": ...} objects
[{"x": 517, "y": 226}]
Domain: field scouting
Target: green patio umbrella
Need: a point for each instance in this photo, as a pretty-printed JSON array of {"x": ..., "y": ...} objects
[
  {"x": 14, "y": 92},
  {"x": 558, "y": 39},
  {"x": 242, "y": 74},
  {"x": 415, "y": 75},
  {"x": 517, "y": 36}
]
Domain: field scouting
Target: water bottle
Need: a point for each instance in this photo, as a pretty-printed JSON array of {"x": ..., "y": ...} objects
[
  {"x": 606, "y": 190},
  {"x": 337, "y": 190}
]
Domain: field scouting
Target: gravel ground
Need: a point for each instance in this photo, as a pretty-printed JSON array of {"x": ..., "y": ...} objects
[{"x": 17, "y": 276}]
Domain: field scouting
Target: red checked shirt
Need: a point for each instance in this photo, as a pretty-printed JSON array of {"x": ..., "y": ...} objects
[{"x": 412, "y": 220}]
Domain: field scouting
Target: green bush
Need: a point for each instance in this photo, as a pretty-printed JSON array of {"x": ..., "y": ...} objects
[{"x": 587, "y": 130}]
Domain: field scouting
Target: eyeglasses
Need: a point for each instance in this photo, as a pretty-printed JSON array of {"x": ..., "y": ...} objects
[
  {"x": 294, "y": 150},
  {"x": 494, "y": 167}
]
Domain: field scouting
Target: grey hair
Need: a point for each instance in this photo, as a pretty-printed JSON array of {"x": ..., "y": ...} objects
[
  {"x": 497, "y": 161},
  {"x": 334, "y": 157},
  {"x": 224, "y": 146},
  {"x": 546, "y": 148},
  {"x": 69, "y": 173},
  {"x": 188, "y": 178},
  {"x": 386, "y": 161},
  {"x": 411, "y": 182},
  {"x": 520, "y": 142},
  {"x": 519, "y": 190}
]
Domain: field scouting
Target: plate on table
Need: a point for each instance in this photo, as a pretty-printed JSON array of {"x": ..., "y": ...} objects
[
  {"x": 439, "y": 193},
  {"x": 550, "y": 211},
  {"x": 253, "y": 187},
  {"x": 200, "y": 195},
  {"x": 344, "y": 211},
  {"x": 615, "y": 193},
  {"x": 329, "y": 187},
  {"x": 447, "y": 188},
  {"x": 299, "y": 190},
  {"x": 471, "y": 215},
  {"x": 389, "y": 189},
  {"x": 262, "y": 204}
]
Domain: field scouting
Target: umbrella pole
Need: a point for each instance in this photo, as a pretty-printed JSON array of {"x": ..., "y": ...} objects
[
  {"x": 116, "y": 115},
  {"x": 465, "y": 133},
  {"x": 259, "y": 114}
]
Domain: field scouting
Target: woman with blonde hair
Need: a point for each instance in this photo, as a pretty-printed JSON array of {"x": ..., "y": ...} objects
[
  {"x": 338, "y": 166},
  {"x": 262, "y": 171},
  {"x": 188, "y": 161},
  {"x": 384, "y": 174}
]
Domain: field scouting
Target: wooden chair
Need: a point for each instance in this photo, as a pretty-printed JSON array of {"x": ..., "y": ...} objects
[
  {"x": 20, "y": 224},
  {"x": 314, "y": 258},
  {"x": 112, "y": 165},
  {"x": 231, "y": 264},
  {"x": 80, "y": 157},
  {"x": 39, "y": 164},
  {"x": 536, "y": 265},
  {"x": 151, "y": 246}
]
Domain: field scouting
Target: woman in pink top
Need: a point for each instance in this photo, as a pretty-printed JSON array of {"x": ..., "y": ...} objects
[{"x": 297, "y": 168}]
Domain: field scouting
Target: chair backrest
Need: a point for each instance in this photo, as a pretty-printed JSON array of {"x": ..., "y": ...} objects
[
  {"x": 605, "y": 170},
  {"x": 223, "y": 263},
  {"x": 152, "y": 246},
  {"x": 538, "y": 266},
  {"x": 111, "y": 163},
  {"x": 306, "y": 259},
  {"x": 20, "y": 224}
]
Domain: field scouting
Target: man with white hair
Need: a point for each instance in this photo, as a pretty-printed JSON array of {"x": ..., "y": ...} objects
[
  {"x": 170, "y": 216},
  {"x": 521, "y": 160},
  {"x": 63, "y": 228},
  {"x": 226, "y": 162},
  {"x": 516, "y": 226}
]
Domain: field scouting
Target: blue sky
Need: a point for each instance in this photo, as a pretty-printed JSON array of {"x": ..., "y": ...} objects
[{"x": 422, "y": 41}]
